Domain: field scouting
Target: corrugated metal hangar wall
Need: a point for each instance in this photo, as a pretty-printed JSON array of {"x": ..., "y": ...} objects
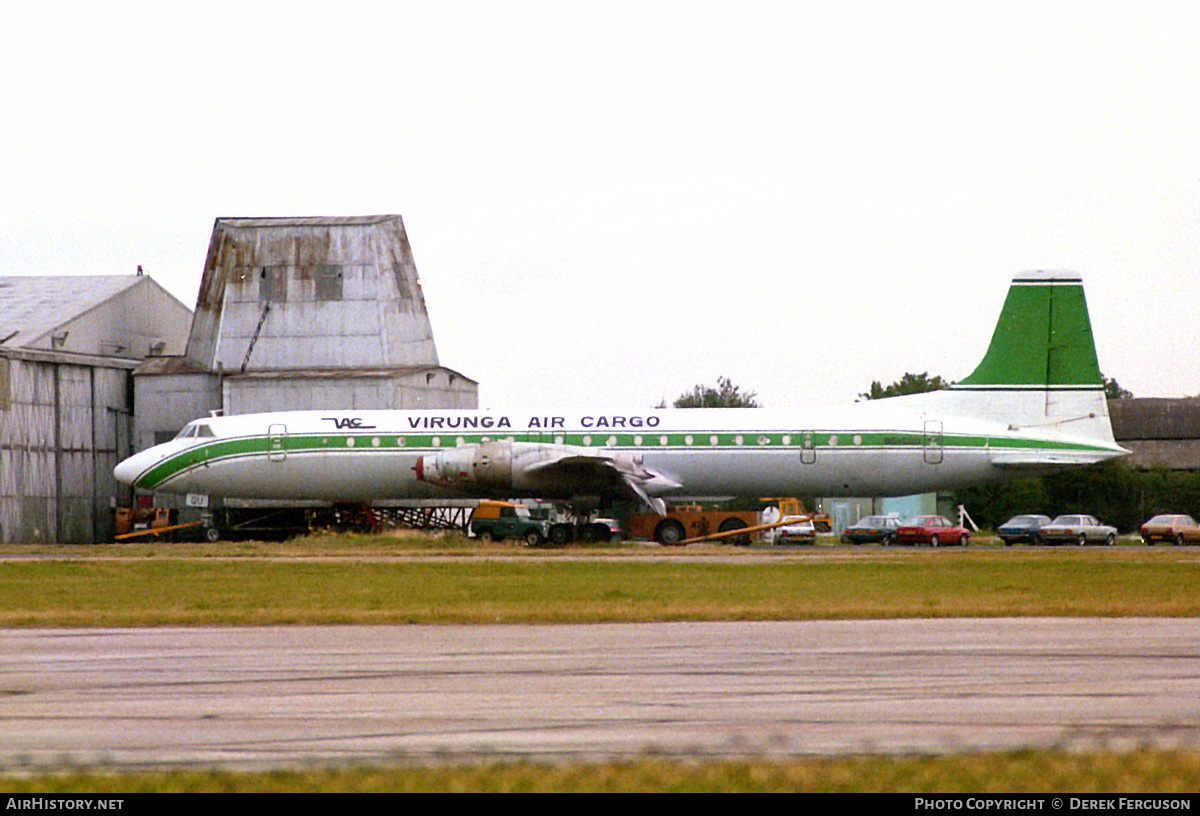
[
  {"x": 67, "y": 347},
  {"x": 64, "y": 425}
]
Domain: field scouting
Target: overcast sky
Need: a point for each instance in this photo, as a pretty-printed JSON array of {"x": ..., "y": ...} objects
[{"x": 611, "y": 202}]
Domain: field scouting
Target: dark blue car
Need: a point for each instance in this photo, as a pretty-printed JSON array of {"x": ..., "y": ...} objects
[
  {"x": 872, "y": 529},
  {"x": 1023, "y": 528}
]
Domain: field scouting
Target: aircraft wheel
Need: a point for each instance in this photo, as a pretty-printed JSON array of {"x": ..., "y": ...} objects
[{"x": 670, "y": 534}]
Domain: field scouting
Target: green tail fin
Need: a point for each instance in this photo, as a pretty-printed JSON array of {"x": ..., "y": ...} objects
[{"x": 1043, "y": 338}]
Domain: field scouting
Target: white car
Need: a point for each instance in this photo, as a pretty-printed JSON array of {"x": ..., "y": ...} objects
[
  {"x": 1079, "y": 530},
  {"x": 796, "y": 530}
]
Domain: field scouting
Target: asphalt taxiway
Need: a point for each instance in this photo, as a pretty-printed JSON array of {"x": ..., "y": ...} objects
[{"x": 300, "y": 696}]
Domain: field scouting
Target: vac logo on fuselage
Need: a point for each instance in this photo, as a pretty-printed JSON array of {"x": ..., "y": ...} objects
[{"x": 348, "y": 422}]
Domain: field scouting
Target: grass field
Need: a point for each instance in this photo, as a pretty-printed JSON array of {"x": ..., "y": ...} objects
[
  {"x": 1167, "y": 772},
  {"x": 447, "y": 579},
  {"x": 395, "y": 581}
]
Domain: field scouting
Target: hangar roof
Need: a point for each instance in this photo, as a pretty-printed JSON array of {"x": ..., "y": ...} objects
[
  {"x": 33, "y": 306},
  {"x": 127, "y": 316},
  {"x": 1155, "y": 418},
  {"x": 1158, "y": 432}
]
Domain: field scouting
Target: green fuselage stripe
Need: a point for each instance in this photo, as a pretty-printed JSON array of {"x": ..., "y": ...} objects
[{"x": 650, "y": 442}]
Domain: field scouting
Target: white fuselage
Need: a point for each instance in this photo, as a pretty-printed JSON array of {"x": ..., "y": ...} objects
[{"x": 861, "y": 449}]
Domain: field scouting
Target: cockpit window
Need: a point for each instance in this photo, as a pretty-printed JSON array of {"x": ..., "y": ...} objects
[{"x": 194, "y": 429}]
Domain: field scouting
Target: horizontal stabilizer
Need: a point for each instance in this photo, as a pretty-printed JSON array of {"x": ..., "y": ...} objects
[{"x": 1043, "y": 459}]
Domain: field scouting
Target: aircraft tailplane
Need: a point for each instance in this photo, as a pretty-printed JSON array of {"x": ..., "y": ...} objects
[{"x": 1040, "y": 370}]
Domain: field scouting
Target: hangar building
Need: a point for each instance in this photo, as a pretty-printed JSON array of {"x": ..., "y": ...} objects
[
  {"x": 67, "y": 348},
  {"x": 301, "y": 313},
  {"x": 292, "y": 313},
  {"x": 1158, "y": 432}
]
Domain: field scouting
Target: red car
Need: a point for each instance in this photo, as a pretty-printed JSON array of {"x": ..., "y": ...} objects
[{"x": 933, "y": 530}]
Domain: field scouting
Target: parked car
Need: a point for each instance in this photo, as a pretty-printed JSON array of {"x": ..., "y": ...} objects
[
  {"x": 1078, "y": 529},
  {"x": 1177, "y": 529},
  {"x": 932, "y": 530},
  {"x": 872, "y": 530},
  {"x": 496, "y": 520},
  {"x": 1023, "y": 528},
  {"x": 796, "y": 530}
]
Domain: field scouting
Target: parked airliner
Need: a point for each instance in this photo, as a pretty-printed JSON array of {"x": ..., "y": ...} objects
[{"x": 1036, "y": 402}]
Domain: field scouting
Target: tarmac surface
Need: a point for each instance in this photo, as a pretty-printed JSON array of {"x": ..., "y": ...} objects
[{"x": 255, "y": 698}]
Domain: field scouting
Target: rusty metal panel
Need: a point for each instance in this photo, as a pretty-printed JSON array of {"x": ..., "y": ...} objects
[
  {"x": 295, "y": 293},
  {"x": 60, "y": 437}
]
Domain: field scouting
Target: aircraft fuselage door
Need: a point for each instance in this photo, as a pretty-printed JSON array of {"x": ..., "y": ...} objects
[
  {"x": 808, "y": 453},
  {"x": 933, "y": 442},
  {"x": 276, "y": 442}
]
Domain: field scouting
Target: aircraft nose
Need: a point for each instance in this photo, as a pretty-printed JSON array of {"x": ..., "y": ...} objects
[{"x": 127, "y": 471}]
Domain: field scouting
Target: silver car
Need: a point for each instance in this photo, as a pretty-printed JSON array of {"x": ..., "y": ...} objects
[{"x": 1078, "y": 529}]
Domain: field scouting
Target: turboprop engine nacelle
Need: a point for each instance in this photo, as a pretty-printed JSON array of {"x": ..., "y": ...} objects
[
  {"x": 485, "y": 465},
  {"x": 509, "y": 468}
]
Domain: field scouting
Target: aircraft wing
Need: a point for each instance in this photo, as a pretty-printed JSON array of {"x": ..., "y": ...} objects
[
  {"x": 574, "y": 465},
  {"x": 501, "y": 466}
]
